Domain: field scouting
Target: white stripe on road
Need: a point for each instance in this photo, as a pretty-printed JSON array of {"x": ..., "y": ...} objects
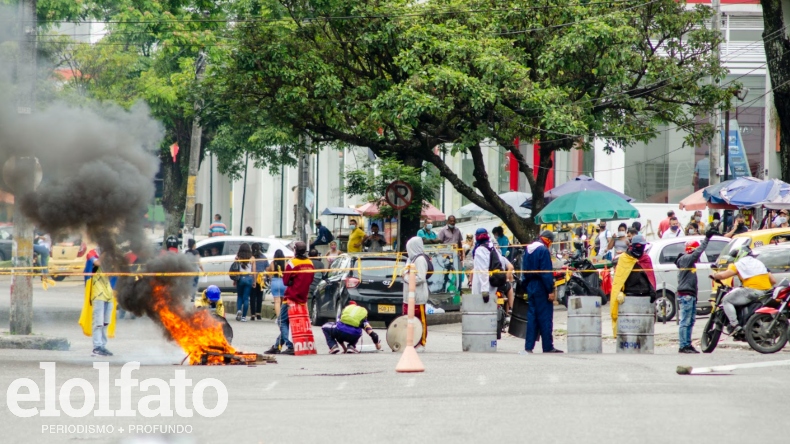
[
  {"x": 271, "y": 385},
  {"x": 342, "y": 385},
  {"x": 482, "y": 380},
  {"x": 410, "y": 382}
]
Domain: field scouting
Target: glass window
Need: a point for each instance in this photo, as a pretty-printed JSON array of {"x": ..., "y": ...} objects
[
  {"x": 734, "y": 245},
  {"x": 777, "y": 260},
  {"x": 780, "y": 239},
  {"x": 714, "y": 250},
  {"x": 232, "y": 247},
  {"x": 339, "y": 266},
  {"x": 212, "y": 249},
  {"x": 671, "y": 252},
  {"x": 378, "y": 268}
]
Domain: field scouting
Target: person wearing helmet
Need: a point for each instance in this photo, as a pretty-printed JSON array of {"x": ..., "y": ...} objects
[
  {"x": 171, "y": 244},
  {"x": 633, "y": 277},
  {"x": 538, "y": 282},
  {"x": 211, "y": 299},
  {"x": 755, "y": 279},
  {"x": 346, "y": 331},
  {"x": 687, "y": 290}
]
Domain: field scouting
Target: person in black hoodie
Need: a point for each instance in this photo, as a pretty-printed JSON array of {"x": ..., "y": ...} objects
[{"x": 687, "y": 290}]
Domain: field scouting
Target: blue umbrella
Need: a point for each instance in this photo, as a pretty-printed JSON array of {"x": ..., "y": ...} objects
[
  {"x": 736, "y": 186},
  {"x": 753, "y": 194},
  {"x": 580, "y": 183},
  {"x": 713, "y": 193}
]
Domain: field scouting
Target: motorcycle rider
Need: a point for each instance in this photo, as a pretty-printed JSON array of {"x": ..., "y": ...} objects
[
  {"x": 687, "y": 290},
  {"x": 755, "y": 279}
]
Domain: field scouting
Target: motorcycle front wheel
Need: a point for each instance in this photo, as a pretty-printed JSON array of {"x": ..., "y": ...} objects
[
  {"x": 711, "y": 334},
  {"x": 762, "y": 340}
]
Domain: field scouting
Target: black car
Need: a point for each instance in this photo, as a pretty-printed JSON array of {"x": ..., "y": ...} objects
[{"x": 368, "y": 281}]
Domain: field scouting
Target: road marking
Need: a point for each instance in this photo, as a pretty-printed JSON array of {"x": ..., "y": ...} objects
[
  {"x": 342, "y": 385},
  {"x": 482, "y": 379},
  {"x": 410, "y": 382},
  {"x": 271, "y": 385}
]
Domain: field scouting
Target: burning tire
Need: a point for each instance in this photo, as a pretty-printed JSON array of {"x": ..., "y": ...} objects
[{"x": 227, "y": 330}]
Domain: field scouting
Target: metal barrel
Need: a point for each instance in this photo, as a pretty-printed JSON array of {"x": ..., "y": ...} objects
[
  {"x": 635, "y": 325},
  {"x": 478, "y": 324},
  {"x": 584, "y": 324},
  {"x": 518, "y": 318}
]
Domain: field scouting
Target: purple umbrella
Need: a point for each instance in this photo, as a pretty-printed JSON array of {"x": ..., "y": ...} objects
[{"x": 580, "y": 183}]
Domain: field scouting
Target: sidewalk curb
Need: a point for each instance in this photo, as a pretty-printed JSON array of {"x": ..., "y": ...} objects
[{"x": 33, "y": 342}]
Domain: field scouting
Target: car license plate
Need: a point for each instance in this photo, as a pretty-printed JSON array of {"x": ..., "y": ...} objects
[{"x": 387, "y": 309}]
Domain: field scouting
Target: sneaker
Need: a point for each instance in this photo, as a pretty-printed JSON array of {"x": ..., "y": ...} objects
[
  {"x": 258, "y": 316},
  {"x": 273, "y": 350},
  {"x": 238, "y": 315},
  {"x": 693, "y": 350},
  {"x": 106, "y": 352},
  {"x": 98, "y": 351},
  {"x": 554, "y": 350},
  {"x": 734, "y": 330},
  {"x": 351, "y": 349},
  {"x": 419, "y": 348},
  {"x": 252, "y": 318},
  {"x": 334, "y": 350},
  {"x": 287, "y": 351},
  {"x": 525, "y": 352},
  {"x": 244, "y": 319}
]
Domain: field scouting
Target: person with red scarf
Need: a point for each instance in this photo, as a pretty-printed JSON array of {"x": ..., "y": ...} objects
[{"x": 633, "y": 277}]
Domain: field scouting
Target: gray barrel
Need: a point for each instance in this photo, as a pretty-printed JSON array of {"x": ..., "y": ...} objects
[
  {"x": 518, "y": 318},
  {"x": 584, "y": 324},
  {"x": 478, "y": 324},
  {"x": 635, "y": 323}
]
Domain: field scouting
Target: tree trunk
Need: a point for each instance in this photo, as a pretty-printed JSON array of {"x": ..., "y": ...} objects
[
  {"x": 173, "y": 192},
  {"x": 409, "y": 225},
  {"x": 776, "y": 15}
]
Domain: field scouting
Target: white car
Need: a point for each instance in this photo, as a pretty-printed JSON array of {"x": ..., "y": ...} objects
[
  {"x": 663, "y": 253},
  {"x": 217, "y": 254}
]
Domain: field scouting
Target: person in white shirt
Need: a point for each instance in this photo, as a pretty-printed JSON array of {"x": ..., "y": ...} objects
[
  {"x": 604, "y": 236},
  {"x": 674, "y": 229},
  {"x": 481, "y": 254}
]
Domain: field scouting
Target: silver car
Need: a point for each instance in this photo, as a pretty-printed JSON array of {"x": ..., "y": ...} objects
[
  {"x": 218, "y": 253},
  {"x": 663, "y": 253}
]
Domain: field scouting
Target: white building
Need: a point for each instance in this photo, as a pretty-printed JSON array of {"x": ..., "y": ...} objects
[{"x": 657, "y": 174}]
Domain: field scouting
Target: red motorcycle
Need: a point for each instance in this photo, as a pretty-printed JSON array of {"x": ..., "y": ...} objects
[{"x": 767, "y": 329}]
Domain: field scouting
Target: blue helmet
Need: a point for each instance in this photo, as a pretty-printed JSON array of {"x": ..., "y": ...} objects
[{"x": 213, "y": 293}]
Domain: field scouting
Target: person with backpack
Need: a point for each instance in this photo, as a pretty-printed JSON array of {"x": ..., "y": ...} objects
[
  {"x": 422, "y": 269},
  {"x": 538, "y": 282},
  {"x": 486, "y": 259}
]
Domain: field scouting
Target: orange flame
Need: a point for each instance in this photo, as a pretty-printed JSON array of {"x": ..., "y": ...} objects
[{"x": 197, "y": 332}]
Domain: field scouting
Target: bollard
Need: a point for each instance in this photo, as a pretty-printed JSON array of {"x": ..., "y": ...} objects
[
  {"x": 635, "y": 325},
  {"x": 410, "y": 361},
  {"x": 478, "y": 324},
  {"x": 518, "y": 318},
  {"x": 584, "y": 324}
]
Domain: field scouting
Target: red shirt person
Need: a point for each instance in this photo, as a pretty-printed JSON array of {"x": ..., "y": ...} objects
[
  {"x": 664, "y": 224},
  {"x": 298, "y": 276}
]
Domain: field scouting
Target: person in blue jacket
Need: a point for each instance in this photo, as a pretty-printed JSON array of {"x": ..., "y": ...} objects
[{"x": 540, "y": 293}]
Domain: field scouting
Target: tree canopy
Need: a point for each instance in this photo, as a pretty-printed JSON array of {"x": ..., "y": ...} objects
[{"x": 412, "y": 80}]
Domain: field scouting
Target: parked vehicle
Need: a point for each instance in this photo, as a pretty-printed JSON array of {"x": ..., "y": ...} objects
[
  {"x": 6, "y": 242},
  {"x": 374, "y": 282},
  {"x": 766, "y": 330},
  {"x": 67, "y": 256},
  {"x": 663, "y": 253},
  {"x": 217, "y": 254},
  {"x": 754, "y": 239},
  {"x": 718, "y": 320}
]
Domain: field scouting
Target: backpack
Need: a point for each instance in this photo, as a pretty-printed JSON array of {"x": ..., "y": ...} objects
[
  {"x": 495, "y": 280},
  {"x": 234, "y": 268},
  {"x": 429, "y": 273}
]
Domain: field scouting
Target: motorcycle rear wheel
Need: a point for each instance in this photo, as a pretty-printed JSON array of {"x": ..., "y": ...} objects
[
  {"x": 711, "y": 334},
  {"x": 763, "y": 341}
]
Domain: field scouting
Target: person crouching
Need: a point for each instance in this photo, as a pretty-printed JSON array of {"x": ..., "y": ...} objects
[
  {"x": 347, "y": 330},
  {"x": 211, "y": 299}
]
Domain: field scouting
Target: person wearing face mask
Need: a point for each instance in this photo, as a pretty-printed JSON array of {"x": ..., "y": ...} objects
[
  {"x": 692, "y": 229},
  {"x": 700, "y": 223},
  {"x": 427, "y": 234},
  {"x": 738, "y": 227},
  {"x": 674, "y": 229},
  {"x": 451, "y": 235},
  {"x": 374, "y": 242},
  {"x": 538, "y": 283},
  {"x": 355, "y": 237},
  {"x": 633, "y": 277},
  {"x": 602, "y": 241},
  {"x": 619, "y": 242}
]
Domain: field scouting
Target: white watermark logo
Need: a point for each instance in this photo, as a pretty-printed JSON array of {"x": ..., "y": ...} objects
[{"x": 158, "y": 403}]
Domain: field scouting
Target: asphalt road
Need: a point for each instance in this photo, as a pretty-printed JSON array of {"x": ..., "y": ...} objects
[{"x": 461, "y": 397}]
